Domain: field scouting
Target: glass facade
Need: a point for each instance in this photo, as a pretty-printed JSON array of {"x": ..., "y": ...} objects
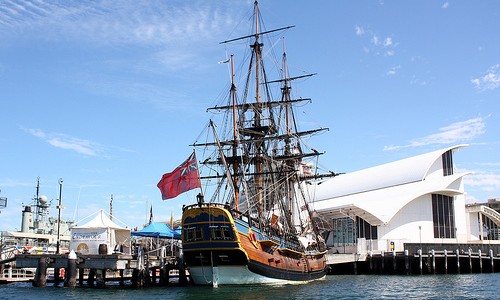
[
  {"x": 490, "y": 229},
  {"x": 343, "y": 233},
  {"x": 443, "y": 215},
  {"x": 447, "y": 159},
  {"x": 365, "y": 230},
  {"x": 346, "y": 231}
]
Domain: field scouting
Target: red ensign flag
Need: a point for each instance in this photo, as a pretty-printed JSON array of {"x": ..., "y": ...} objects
[{"x": 182, "y": 179}]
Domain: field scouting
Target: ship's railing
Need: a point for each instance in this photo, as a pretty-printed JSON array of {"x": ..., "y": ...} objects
[{"x": 203, "y": 204}]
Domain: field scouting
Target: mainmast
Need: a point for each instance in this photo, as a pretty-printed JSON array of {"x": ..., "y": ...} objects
[
  {"x": 262, "y": 154},
  {"x": 258, "y": 151},
  {"x": 285, "y": 92}
]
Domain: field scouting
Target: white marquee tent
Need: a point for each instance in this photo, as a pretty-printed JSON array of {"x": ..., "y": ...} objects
[{"x": 85, "y": 239}]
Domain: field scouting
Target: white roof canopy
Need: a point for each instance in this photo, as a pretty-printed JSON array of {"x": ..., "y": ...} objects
[{"x": 378, "y": 193}]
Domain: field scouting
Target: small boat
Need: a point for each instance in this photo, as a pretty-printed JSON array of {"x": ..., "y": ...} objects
[{"x": 256, "y": 227}]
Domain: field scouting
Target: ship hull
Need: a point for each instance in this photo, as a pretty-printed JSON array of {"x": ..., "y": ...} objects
[
  {"x": 240, "y": 275},
  {"x": 220, "y": 250}
]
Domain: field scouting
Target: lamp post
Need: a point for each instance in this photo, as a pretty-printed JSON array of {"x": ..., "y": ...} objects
[{"x": 59, "y": 208}]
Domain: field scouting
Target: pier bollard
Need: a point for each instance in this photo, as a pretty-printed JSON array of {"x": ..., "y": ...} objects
[
  {"x": 370, "y": 255},
  {"x": 470, "y": 259},
  {"x": 407, "y": 263},
  {"x": 480, "y": 261},
  {"x": 420, "y": 260},
  {"x": 41, "y": 272},
  {"x": 457, "y": 252},
  {"x": 445, "y": 261},
  {"x": 394, "y": 265},
  {"x": 71, "y": 271},
  {"x": 433, "y": 254},
  {"x": 492, "y": 262},
  {"x": 382, "y": 261}
]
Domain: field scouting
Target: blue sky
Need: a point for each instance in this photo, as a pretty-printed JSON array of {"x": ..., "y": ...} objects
[{"x": 108, "y": 95}]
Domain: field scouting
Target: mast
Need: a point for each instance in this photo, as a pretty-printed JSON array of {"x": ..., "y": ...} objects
[
  {"x": 235, "y": 138},
  {"x": 258, "y": 158},
  {"x": 260, "y": 155},
  {"x": 37, "y": 211},
  {"x": 285, "y": 90}
]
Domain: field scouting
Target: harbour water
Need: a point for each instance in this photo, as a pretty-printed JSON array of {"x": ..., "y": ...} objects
[{"x": 461, "y": 286}]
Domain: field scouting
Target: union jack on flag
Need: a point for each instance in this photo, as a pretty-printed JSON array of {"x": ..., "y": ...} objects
[{"x": 189, "y": 165}]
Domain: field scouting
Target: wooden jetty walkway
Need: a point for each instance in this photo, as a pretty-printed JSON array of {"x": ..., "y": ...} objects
[
  {"x": 94, "y": 269},
  {"x": 434, "y": 259}
]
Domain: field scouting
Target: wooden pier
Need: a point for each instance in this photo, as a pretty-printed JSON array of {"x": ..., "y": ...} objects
[
  {"x": 442, "y": 260},
  {"x": 77, "y": 269}
]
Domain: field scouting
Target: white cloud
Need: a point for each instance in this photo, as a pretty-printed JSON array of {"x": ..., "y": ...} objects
[
  {"x": 393, "y": 70},
  {"x": 455, "y": 133},
  {"x": 105, "y": 22},
  {"x": 64, "y": 141},
  {"x": 490, "y": 80},
  {"x": 359, "y": 30},
  {"x": 445, "y": 5},
  {"x": 485, "y": 181},
  {"x": 387, "y": 42},
  {"x": 377, "y": 44}
]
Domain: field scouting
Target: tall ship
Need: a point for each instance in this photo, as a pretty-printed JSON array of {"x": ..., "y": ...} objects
[{"x": 251, "y": 222}]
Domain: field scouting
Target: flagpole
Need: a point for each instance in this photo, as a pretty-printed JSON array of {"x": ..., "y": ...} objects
[{"x": 198, "y": 171}]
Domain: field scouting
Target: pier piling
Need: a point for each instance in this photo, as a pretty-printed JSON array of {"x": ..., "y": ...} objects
[
  {"x": 81, "y": 273},
  {"x": 41, "y": 272},
  {"x": 420, "y": 261},
  {"x": 470, "y": 260},
  {"x": 383, "y": 260},
  {"x": 71, "y": 271},
  {"x": 492, "y": 262},
  {"x": 394, "y": 265},
  {"x": 480, "y": 261},
  {"x": 100, "y": 277},
  {"x": 445, "y": 253},
  {"x": 433, "y": 254},
  {"x": 407, "y": 263}
]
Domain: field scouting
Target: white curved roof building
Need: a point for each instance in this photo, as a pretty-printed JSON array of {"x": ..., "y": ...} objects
[{"x": 415, "y": 200}]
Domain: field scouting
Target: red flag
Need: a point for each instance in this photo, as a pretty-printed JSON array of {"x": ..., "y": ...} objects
[{"x": 182, "y": 179}]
